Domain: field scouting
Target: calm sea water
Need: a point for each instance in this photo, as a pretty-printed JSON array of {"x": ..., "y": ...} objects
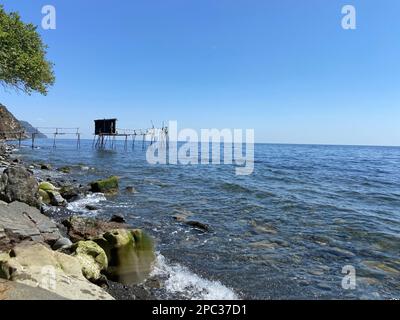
[{"x": 286, "y": 231}]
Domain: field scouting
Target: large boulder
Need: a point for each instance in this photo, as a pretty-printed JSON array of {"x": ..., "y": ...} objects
[
  {"x": 81, "y": 228},
  {"x": 11, "y": 290},
  {"x": 20, "y": 222},
  {"x": 130, "y": 252},
  {"x": 18, "y": 184},
  {"x": 130, "y": 255},
  {"x": 92, "y": 258},
  {"x": 59, "y": 273},
  {"x": 109, "y": 185}
]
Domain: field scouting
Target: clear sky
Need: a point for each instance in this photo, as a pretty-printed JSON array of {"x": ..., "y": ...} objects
[{"x": 283, "y": 67}]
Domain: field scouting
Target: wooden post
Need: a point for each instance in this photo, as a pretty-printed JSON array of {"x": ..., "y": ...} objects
[
  {"x": 78, "y": 141},
  {"x": 33, "y": 140}
]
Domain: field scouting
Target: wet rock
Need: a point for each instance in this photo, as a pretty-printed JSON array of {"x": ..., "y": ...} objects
[
  {"x": 195, "y": 224},
  {"x": 70, "y": 192},
  {"x": 92, "y": 258},
  {"x": 45, "y": 166},
  {"x": 198, "y": 225},
  {"x": 117, "y": 218},
  {"x": 130, "y": 255},
  {"x": 62, "y": 243},
  {"x": 91, "y": 207},
  {"x": 38, "y": 266},
  {"x": 119, "y": 238},
  {"x": 80, "y": 228},
  {"x": 130, "y": 252},
  {"x": 18, "y": 184},
  {"x": 56, "y": 199},
  {"x": 109, "y": 185},
  {"x": 64, "y": 169},
  {"x": 130, "y": 189}
]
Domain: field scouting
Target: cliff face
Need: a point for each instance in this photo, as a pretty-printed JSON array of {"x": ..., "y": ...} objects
[{"x": 9, "y": 125}]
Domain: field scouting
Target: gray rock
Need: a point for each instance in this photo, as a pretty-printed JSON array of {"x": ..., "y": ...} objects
[
  {"x": 70, "y": 192},
  {"x": 62, "y": 243},
  {"x": 18, "y": 184},
  {"x": 56, "y": 199},
  {"x": 19, "y": 222},
  {"x": 10, "y": 290},
  {"x": 130, "y": 189}
]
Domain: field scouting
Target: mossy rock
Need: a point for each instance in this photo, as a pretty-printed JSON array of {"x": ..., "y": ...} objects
[
  {"x": 92, "y": 258},
  {"x": 142, "y": 240},
  {"x": 130, "y": 255},
  {"x": 119, "y": 238},
  {"x": 45, "y": 196},
  {"x": 109, "y": 185},
  {"x": 46, "y": 186}
]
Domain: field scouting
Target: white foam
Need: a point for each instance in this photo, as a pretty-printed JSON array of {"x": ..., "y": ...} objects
[
  {"x": 79, "y": 206},
  {"x": 180, "y": 280}
]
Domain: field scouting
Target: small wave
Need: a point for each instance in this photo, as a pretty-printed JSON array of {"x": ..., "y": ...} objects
[
  {"x": 181, "y": 281},
  {"x": 79, "y": 206}
]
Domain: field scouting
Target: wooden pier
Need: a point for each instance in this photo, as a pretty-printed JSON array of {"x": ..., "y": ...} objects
[
  {"x": 106, "y": 134},
  {"x": 55, "y": 132}
]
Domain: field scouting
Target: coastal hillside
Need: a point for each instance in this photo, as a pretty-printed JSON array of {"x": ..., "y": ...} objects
[
  {"x": 29, "y": 129},
  {"x": 9, "y": 125}
]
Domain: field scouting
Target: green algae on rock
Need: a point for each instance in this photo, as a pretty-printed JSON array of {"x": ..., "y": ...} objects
[
  {"x": 44, "y": 196},
  {"x": 38, "y": 266},
  {"x": 130, "y": 253},
  {"x": 46, "y": 186},
  {"x": 92, "y": 258},
  {"x": 109, "y": 185}
]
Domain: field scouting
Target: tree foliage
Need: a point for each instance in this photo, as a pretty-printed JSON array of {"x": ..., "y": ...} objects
[{"x": 23, "y": 63}]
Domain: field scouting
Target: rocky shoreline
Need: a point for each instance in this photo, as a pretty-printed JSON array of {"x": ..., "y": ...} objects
[{"x": 49, "y": 252}]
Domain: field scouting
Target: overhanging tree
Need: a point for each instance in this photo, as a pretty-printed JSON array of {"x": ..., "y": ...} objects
[{"x": 23, "y": 63}]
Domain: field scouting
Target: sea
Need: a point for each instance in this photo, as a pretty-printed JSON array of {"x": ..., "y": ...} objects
[{"x": 311, "y": 221}]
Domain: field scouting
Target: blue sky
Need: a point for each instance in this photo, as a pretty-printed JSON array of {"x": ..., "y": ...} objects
[{"x": 283, "y": 67}]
